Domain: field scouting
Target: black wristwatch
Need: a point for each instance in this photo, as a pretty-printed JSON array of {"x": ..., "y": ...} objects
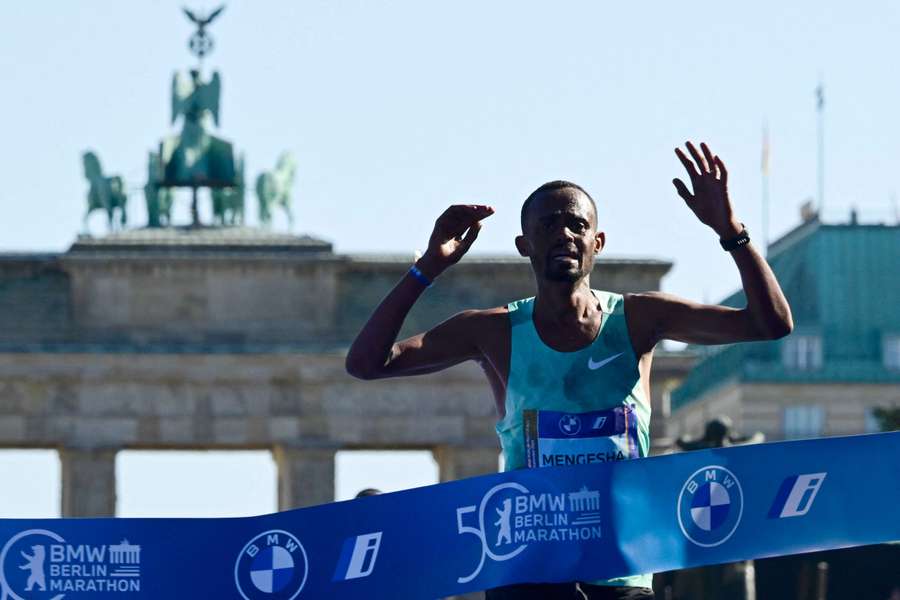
[{"x": 734, "y": 243}]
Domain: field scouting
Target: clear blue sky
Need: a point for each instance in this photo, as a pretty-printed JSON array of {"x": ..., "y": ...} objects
[{"x": 397, "y": 109}]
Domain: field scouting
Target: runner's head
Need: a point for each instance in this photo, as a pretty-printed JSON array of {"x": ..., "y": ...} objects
[{"x": 559, "y": 232}]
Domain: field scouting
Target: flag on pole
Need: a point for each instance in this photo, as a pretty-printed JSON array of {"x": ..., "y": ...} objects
[
  {"x": 820, "y": 108},
  {"x": 764, "y": 168}
]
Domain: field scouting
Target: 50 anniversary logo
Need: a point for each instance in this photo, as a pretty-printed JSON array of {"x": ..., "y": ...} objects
[{"x": 510, "y": 518}]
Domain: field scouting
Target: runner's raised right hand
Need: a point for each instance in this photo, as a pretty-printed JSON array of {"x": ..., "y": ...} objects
[{"x": 454, "y": 232}]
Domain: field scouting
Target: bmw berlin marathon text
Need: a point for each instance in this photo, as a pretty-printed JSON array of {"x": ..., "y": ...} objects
[{"x": 45, "y": 565}]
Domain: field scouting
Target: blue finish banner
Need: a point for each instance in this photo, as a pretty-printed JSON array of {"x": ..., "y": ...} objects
[{"x": 584, "y": 522}]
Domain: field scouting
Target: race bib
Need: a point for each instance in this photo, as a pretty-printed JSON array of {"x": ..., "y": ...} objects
[{"x": 555, "y": 439}]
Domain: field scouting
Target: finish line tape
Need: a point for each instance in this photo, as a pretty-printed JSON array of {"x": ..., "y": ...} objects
[{"x": 555, "y": 524}]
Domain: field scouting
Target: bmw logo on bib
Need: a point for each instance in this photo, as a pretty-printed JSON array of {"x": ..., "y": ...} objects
[
  {"x": 570, "y": 424},
  {"x": 710, "y": 506},
  {"x": 272, "y": 565}
]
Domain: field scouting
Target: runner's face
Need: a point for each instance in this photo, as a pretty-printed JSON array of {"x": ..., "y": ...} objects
[{"x": 562, "y": 234}]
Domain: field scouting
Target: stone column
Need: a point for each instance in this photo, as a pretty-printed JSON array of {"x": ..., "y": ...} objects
[
  {"x": 661, "y": 410},
  {"x": 455, "y": 462},
  {"x": 88, "y": 482},
  {"x": 305, "y": 476}
]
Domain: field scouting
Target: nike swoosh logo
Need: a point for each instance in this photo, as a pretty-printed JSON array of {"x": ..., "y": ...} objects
[{"x": 593, "y": 366}]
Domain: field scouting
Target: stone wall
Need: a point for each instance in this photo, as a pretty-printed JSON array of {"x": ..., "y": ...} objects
[{"x": 35, "y": 298}]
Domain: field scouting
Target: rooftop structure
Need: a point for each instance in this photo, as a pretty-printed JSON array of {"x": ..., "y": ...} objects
[{"x": 843, "y": 285}]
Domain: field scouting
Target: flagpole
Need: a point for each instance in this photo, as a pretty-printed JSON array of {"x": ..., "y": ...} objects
[
  {"x": 764, "y": 171},
  {"x": 820, "y": 109}
]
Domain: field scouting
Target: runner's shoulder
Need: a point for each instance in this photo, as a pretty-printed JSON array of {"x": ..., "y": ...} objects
[
  {"x": 482, "y": 324},
  {"x": 645, "y": 296},
  {"x": 639, "y": 302},
  {"x": 483, "y": 317}
]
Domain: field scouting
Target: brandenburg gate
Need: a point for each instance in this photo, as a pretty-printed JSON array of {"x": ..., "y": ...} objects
[{"x": 234, "y": 338}]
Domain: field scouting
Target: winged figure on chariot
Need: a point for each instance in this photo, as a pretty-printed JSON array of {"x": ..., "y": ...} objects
[{"x": 195, "y": 158}]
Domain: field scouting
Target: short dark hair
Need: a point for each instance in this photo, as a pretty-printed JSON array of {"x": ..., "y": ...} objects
[{"x": 552, "y": 186}]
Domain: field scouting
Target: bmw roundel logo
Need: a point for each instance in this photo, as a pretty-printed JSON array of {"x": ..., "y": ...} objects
[
  {"x": 710, "y": 506},
  {"x": 570, "y": 424},
  {"x": 272, "y": 566}
]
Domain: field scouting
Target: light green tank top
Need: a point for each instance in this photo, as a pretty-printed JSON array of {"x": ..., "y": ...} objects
[{"x": 572, "y": 393}]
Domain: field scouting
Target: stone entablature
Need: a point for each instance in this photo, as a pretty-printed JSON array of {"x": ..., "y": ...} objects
[{"x": 229, "y": 288}]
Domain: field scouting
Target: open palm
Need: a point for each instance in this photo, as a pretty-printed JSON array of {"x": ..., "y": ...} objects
[{"x": 709, "y": 180}]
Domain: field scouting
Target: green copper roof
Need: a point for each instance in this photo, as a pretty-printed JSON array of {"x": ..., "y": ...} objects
[{"x": 843, "y": 284}]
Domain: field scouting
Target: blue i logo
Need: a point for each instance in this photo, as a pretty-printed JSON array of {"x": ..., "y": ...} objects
[
  {"x": 796, "y": 495},
  {"x": 358, "y": 557},
  {"x": 710, "y": 506}
]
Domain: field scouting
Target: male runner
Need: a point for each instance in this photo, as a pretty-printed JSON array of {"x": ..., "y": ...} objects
[{"x": 571, "y": 349}]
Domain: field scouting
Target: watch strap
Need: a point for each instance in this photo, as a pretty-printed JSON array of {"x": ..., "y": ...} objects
[{"x": 742, "y": 239}]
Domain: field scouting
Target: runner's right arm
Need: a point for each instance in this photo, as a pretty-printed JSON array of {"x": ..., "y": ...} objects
[{"x": 375, "y": 354}]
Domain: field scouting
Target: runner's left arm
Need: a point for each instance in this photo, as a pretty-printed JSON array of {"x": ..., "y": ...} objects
[{"x": 655, "y": 316}]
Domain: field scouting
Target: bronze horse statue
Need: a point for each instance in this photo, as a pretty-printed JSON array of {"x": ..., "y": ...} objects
[
  {"x": 273, "y": 188},
  {"x": 228, "y": 202},
  {"x": 105, "y": 193},
  {"x": 159, "y": 199}
]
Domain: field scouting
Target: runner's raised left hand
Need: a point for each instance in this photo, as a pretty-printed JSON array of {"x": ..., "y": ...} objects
[{"x": 709, "y": 180}]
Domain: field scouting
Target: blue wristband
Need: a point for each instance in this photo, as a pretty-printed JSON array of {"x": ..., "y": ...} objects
[{"x": 415, "y": 272}]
